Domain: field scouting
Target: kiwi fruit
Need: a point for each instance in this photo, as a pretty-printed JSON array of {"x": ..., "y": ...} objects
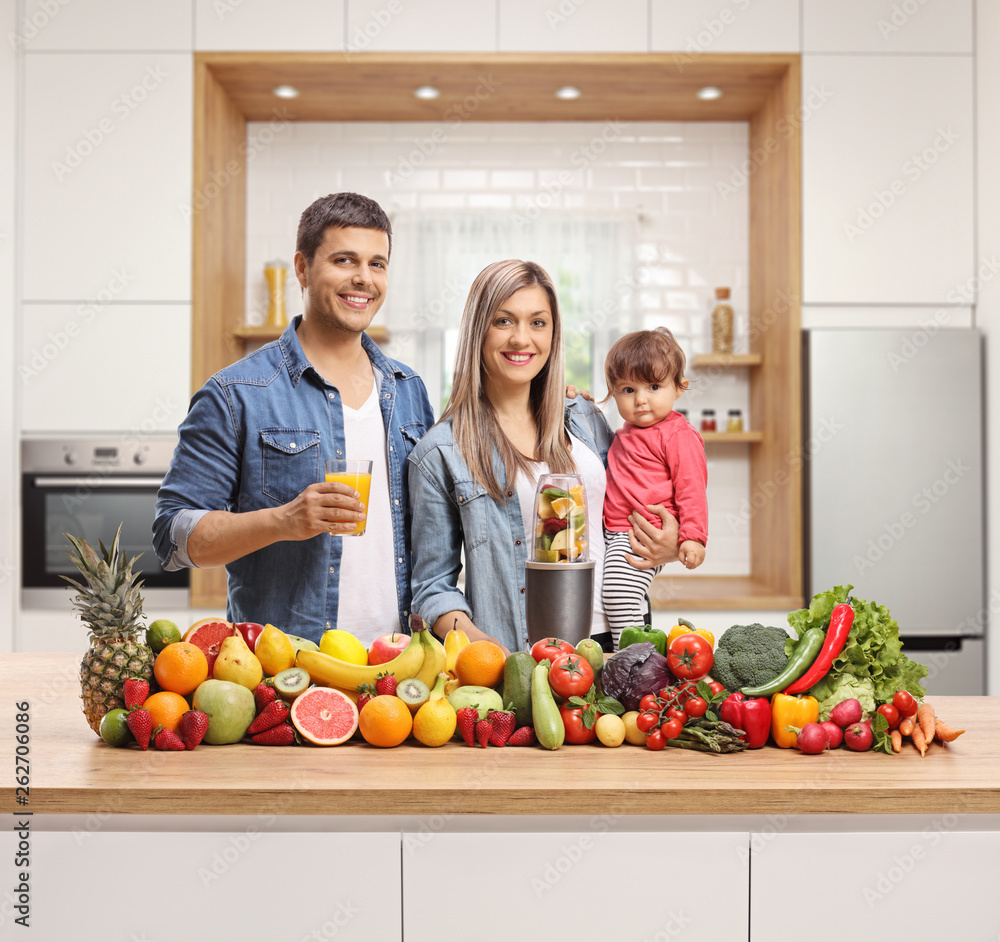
[
  {"x": 290, "y": 682},
  {"x": 414, "y": 693}
]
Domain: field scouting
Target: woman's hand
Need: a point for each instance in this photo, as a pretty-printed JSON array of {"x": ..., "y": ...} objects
[{"x": 653, "y": 546}]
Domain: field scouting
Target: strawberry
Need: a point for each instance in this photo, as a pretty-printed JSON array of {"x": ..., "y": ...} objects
[
  {"x": 525, "y": 736},
  {"x": 271, "y": 715},
  {"x": 503, "y": 722},
  {"x": 134, "y": 692},
  {"x": 281, "y": 735},
  {"x": 192, "y": 728},
  {"x": 385, "y": 685},
  {"x": 263, "y": 694},
  {"x": 365, "y": 693},
  {"x": 167, "y": 739},
  {"x": 484, "y": 729},
  {"x": 140, "y": 724},
  {"x": 467, "y": 719}
]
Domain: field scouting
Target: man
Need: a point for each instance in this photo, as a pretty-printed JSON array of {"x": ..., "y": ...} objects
[{"x": 245, "y": 488}]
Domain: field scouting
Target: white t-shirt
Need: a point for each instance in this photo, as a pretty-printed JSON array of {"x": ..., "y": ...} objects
[
  {"x": 369, "y": 603},
  {"x": 595, "y": 480}
]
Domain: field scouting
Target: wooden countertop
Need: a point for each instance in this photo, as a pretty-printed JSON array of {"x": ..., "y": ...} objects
[{"x": 74, "y": 772}]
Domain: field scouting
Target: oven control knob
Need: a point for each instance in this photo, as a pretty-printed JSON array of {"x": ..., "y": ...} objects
[
  {"x": 139, "y": 457},
  {"x": 70, "y": 457}
]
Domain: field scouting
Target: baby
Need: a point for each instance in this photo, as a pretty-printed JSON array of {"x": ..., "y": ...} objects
[{"x": 656, "y": 458}]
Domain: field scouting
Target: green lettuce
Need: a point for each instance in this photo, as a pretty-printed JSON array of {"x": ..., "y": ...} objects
[
  {"x": 873, "y": 651},
  {"x": 834, "y": 689}
]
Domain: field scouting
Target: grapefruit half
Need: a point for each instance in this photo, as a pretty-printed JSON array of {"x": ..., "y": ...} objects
[
  {"x": 208, "y": 634},
  {"x": 324, "y": 716}
]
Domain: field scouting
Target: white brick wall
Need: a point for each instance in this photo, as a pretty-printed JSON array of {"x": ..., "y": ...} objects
[{"x": 692, "y": 231}]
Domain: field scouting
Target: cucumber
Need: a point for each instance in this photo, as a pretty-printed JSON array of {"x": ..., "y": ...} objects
[
  {"x": 517, "y": 672},
  {"x": 549, "y": 728}
]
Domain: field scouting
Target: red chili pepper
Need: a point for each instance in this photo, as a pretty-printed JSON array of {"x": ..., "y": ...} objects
[
  {"x": 841, "y": 619},
  {"x": 753, "y": 716}
]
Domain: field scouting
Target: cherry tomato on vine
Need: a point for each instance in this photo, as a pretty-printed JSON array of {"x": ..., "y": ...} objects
[
  {"x": 696, "y": 706},
  {"x": 687, "y": 690},
  {"x": 903, "y": 701},
  {"x": 666, "y": 693},
  {"x": 644, "y": 722},
  {"x": 648, "y": 702},
  {"x": 671, "y": 729},
  {"x": 716, "y": 687},
  {"x": 550, "y": 648},
  {"x": 571, "y": 675},
  {"x": 690, "y": 657},
  {"x": 677, "y": 712},
  {"x": 655, "y": 740},
  {"x": 891, "y": 714}
]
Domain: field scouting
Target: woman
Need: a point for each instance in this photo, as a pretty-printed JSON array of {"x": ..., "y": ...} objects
[{"x": 472, "y": 477}]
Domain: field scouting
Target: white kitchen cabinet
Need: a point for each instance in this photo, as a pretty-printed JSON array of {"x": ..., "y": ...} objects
[
  {"x": 572, "y": 26},
  {"x": 725, "y": 26},
  {"x": 922, "y": 26},
  {"x": 107, "y": 177},
  {"x": 270, "y": 25},
  {"x": 111, "y": 368},
  {"x": 887, "y": 179},
  {"x": 933, "y": 884},
  {"x": 401, "y": 25},
  {"x": 255, "y": 883},
  {"x": 162, "y": 25},
  {"x": 526, "y": 885}
]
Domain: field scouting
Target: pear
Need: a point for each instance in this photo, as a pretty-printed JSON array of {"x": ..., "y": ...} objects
[{"x": 237, "y": 663}]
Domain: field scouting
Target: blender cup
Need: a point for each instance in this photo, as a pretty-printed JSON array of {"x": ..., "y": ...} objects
[{"x": 559, "y": 573}]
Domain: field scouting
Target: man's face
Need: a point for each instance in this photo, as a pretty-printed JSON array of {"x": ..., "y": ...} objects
[{"x": 346, "y": 281}]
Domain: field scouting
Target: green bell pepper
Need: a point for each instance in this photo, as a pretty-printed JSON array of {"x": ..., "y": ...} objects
[{"x": 643, "y": 633}]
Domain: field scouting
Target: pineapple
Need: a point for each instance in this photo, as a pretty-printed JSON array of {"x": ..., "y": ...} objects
[{"x": 111, "y": 606}]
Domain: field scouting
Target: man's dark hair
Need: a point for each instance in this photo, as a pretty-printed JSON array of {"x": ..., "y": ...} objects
[{"x": 339, "y": 210}]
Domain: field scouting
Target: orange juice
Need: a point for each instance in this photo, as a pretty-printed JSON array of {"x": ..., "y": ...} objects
[{"x": 362, "y": 483}]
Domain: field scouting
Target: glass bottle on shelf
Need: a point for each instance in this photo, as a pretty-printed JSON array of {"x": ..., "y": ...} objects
[
  {"x": 708, "y": 420},
  {"x": 722, "y": 323},
  {"x": 275, "y": 273},
  {"x": 735, "y": 421}
]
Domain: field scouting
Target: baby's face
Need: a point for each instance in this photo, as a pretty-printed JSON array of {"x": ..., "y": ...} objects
[{"x": 645, "y": 404}]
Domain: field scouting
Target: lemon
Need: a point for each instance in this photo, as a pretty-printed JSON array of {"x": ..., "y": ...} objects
[
  {"x": 344, "y": 646},
  {"x": 114, "y": 730},
  {"x": 610, "y": 729},
  {"x": 633, "y": 734},
  {"x": 161, "y": 633},
  {"x": 435, "y": 722}
]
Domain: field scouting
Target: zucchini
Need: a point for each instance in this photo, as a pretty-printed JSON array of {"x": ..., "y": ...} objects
[
  {"x": 801, "y": 660},
  {"x": 549, "y": 728}
]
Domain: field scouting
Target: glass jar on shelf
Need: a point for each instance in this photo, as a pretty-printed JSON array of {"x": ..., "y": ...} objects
[
  {"x": 708, "y": 420},
  {"x": 734, "y": 422},
  {"x": 722, "y": 323}
]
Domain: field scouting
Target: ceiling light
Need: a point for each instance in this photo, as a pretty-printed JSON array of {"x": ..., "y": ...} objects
[
  {"x": 426, "y": 92},
  {"x": 709, "y": 93},
  {"x": 568, "y": 92},
  {"x": 286, "y": 91}
]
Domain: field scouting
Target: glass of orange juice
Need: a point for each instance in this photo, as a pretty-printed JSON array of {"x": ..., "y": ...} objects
[{"x": 356, "y": 474}]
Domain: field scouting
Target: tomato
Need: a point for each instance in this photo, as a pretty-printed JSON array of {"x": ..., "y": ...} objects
[
  {"x": 571, "y": 675},
  {"x": 891, "y": 714},
  {"x": 550, "y": 648},
  {"x": 696, "y": 706},
  {"x": 677, "y": 712},
  {"x": 648, "y": 702},
  {"x": 904, "y": 702},
  {"x": 646, "y": 721},
  {"x": 716, "y": 687},
  {"x": 671, "y": 729},
  {"x": 576, "y": 733},
  {"x": 690, "y": 657},
  {"x": 687, "y": 690},
  {"x": 655, "y": 740}
]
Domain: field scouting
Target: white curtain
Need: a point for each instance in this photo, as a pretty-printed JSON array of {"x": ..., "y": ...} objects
[{"x": 436, "y": 257}]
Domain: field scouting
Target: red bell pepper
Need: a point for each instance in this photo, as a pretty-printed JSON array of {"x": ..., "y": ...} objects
[{"x": 753, "y": 716}]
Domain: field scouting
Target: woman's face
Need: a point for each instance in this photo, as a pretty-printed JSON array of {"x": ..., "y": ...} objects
[{"x": 519, "y": 340}]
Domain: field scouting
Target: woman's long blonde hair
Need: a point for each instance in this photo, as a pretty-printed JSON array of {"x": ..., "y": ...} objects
[{"x": 474, "y": 422}]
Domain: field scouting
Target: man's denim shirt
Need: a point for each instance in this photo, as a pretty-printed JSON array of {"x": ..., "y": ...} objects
[{"x": 256, "y": 435}]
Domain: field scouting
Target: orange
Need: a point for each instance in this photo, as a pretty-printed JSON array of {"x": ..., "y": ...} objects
[
  {"x": 180, "y": 667},
  {"x": 166, "y": 709},
  {"x": 385, "y": 721},
  {"x": 480, "y": 664}
]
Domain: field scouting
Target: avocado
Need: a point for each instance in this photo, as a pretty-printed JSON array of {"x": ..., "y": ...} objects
[{"x": 517, "y": 685}]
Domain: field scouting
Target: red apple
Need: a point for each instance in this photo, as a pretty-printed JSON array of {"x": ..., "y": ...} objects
[
  {"x": 250, "y": 631},
  {"x": 386, "y": 647}
]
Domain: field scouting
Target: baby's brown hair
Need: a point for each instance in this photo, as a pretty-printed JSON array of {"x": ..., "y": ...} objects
[{"x": 648, "y": 356}]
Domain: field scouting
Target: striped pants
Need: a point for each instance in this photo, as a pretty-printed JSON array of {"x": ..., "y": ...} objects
[{"x": 623, "y": 592}]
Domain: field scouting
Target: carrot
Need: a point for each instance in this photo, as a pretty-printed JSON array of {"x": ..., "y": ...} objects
[
  {"x": 919, "y": 740},
  {"x": 897, "y": 740},
  {"x": 925, "y": 719},
  {"x": 906, "y": 726},
  {"x": 946, "y": 733}
]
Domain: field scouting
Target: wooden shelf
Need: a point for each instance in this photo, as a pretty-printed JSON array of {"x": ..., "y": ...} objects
[
  {"x": 263, "y": 333},
  {"x": 732, "y": 438},
  {"x": 704, "y": 593},
  {"x": 726, "y": 360}
]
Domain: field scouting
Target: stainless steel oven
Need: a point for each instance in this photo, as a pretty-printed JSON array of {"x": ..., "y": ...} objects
[{"x": 86, "y": 487}]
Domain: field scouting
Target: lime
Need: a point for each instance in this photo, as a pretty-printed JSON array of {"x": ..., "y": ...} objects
[
  {"x": 114, "y": 730},
  {"x": 344, "y": 646},
  {"x": 161, "y": 633}
]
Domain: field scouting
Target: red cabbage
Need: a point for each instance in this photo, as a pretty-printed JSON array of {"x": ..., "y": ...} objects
[{"x": 632, "y": 673}]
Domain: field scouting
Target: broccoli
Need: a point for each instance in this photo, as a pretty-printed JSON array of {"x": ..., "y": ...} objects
[{"x": 749, "y": 655}]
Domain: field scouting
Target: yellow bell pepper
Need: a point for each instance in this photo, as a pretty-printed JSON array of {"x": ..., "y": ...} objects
[
  {"x": 791, "y": 711},
  {"x": 679, "y": 630}
]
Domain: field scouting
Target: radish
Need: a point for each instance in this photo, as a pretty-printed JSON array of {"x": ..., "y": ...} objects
[
  {"x": 813, "y": 739},
  {"x": 847, "y": 712},
  {"x": 858, "y": 736},
  {"x": 836, "y": 733}
]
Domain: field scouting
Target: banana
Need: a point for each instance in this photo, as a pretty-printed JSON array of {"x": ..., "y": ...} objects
[
  {"x": 454, "y": 641},
  {"x": 435, "y": 659},
  {"x": 437, "y": 691},
  {"x": 337, "y": 673}
]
